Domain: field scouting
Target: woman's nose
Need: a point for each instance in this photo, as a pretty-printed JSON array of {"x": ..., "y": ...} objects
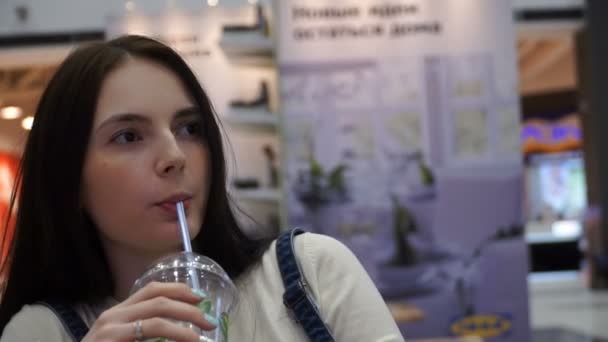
[{"x": 171, "y": 158}]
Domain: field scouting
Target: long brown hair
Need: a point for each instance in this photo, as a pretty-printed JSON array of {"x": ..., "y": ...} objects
[{"x": 56, "y": 252}]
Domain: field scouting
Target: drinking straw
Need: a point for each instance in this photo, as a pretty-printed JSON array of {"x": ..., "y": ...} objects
[{"x": 183, "y": 227}]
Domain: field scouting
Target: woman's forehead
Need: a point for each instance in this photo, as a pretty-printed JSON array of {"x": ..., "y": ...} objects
[{"x": 143, "y": 87}]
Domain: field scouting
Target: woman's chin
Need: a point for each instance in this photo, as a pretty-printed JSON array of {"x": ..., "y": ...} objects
[
  {"x": 160, "y": 249},
  {"x": 166, "y": 237}
]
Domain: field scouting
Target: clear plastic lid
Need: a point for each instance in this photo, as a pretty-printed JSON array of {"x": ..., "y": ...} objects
[{"x": 185, "y": 261}]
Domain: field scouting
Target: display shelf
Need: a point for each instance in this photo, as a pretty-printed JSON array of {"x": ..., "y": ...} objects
[
  {"x": 261, "y": 194},
  {"x": 256, "y": 61},
  {"x": 252, "y": 117},
  {"x": 556, "y": 232},
  {"x": 250, "y": 44},
  {"x": 549, "y": 237}
]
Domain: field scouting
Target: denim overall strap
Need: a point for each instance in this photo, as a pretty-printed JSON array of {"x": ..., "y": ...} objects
[
  {"x": 69, "y": 318},
  {"x": 297, "y": 297}
]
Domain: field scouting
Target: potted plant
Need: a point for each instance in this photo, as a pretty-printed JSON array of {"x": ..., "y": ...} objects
[
  {"x": 403, "y": 225},
  {"x": 316, "y": 187}
]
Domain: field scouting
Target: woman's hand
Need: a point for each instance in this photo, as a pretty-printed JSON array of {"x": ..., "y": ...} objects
[{"x": 155, "y": 305}]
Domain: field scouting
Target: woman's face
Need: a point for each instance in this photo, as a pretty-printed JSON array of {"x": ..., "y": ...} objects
[{"x": 145, "y": 154}]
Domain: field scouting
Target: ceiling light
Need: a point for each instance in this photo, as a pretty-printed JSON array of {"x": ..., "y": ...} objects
[
  {"x": 27, "y": 122},
  {"x": 130, "y": 5},
  {"x": 11, "y": 112},
  {"x": 212, "y": 2}
]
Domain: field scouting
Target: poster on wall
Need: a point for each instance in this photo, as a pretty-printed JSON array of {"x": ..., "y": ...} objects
[{"x": 401, "y": 139}]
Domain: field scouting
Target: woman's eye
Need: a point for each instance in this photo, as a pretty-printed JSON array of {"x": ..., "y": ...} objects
[
  {"x": 192, "y": 129},
  {"x": 126, "y": 137}
]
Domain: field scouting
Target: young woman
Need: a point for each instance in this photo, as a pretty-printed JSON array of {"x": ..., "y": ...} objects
[{"x": 124, "y": 131}]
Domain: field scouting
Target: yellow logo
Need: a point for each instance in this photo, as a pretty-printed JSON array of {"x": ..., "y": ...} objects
[{"x": 481, "y": 325}]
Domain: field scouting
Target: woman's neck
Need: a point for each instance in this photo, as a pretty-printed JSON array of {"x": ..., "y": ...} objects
[{"x": 127, "y": 265}]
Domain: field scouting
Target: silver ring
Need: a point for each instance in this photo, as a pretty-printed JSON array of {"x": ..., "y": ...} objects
[{"x": 139, "y": 330}]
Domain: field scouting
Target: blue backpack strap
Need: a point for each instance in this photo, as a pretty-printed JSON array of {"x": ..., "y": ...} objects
[
  {"x": 297, "y": 297},
  {"x": 69, "y": 318}
]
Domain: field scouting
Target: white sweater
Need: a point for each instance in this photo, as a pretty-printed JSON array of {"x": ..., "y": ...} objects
[{"x": 348, "y": 301}]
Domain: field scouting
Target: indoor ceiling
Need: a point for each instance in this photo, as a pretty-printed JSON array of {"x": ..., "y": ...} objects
[
  {"x": 546, "y": 61},
  {"x": 21, "y": 87}
]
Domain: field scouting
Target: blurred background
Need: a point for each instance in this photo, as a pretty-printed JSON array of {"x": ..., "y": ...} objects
[{"x": 560, "y": 107}]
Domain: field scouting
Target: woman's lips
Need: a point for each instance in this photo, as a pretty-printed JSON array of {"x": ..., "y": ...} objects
[{"x": 171, "y": 207}]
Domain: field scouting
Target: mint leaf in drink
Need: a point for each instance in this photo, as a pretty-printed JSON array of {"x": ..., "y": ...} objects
[
  {"x": 224, "y": 325},
  {"x": 205, "y": 306}
]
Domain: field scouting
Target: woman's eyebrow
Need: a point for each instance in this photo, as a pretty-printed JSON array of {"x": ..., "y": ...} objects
[
  {"x": 124, "y": 117},
  {"x": 187, "y": 112}
]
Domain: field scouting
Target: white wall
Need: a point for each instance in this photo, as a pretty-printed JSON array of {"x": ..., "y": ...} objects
[{"x": 77, "y": 15}]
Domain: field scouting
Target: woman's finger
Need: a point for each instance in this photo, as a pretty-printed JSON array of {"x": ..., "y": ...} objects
[
  {"x": 150, "y": 328},
  {"x": 176, "y": 291},
  {"x": 167, "y": 308}
]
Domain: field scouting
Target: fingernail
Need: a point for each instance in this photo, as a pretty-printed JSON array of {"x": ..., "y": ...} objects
[
  {"x": 212, "y": 320},
  {"x": 199, "y": 293}
]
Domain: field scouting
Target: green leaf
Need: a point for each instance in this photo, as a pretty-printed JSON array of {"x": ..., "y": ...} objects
[
  {"x": 426, "y": 174},
  {"x": 335, "y": 179},
  {"x": 316, "y": 170},
  {"x": 205, "y": 306},
  {"x": 224, "y": 325}
]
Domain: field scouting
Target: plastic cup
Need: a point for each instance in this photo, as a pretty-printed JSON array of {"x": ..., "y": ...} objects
[{"x": 205, "y": 275}]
